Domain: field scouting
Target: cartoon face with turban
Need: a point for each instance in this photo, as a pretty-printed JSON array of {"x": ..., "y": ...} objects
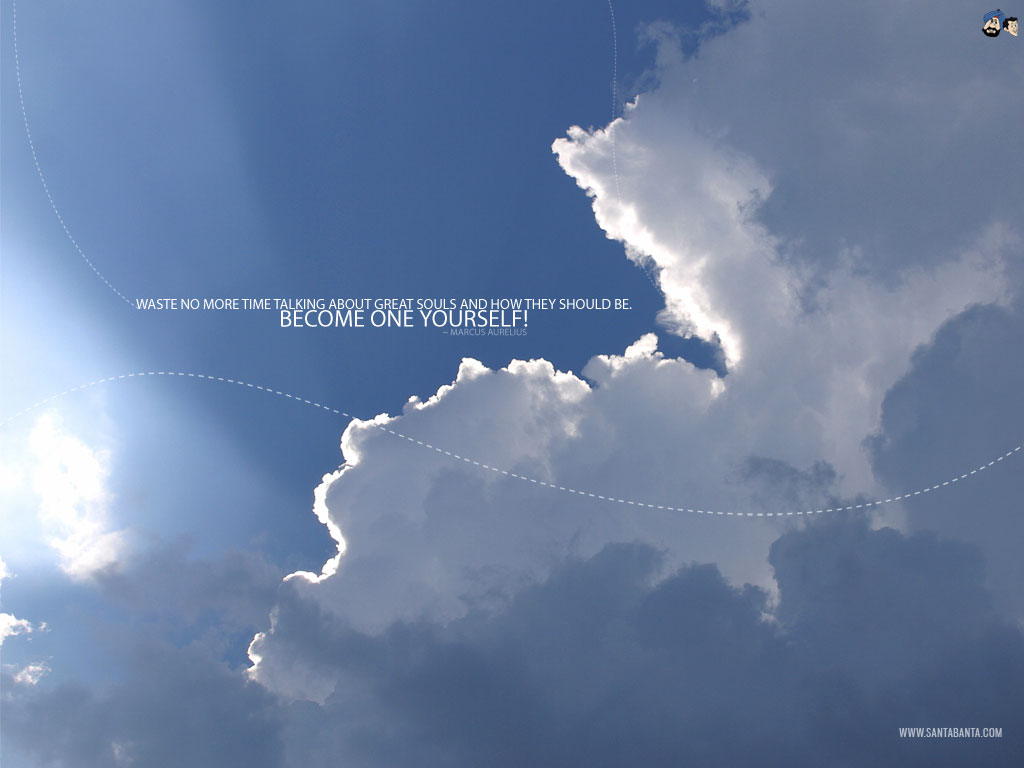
[
  {"x": 993, "y": 23},
  {"x": 1010, "y": 25}
]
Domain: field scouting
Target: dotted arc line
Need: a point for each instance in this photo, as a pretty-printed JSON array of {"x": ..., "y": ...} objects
[
  {"x": 611, "y": 127},
  {"x": 615, "y": 93},
  {"x": 497, "y": 470},
  {"x": 35, "y": 159},
  {"x": 71, "y": 238}
]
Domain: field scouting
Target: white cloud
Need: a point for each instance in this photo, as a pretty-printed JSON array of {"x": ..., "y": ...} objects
[
  {"x": 70, "y": 480},
  {"x": 31, "y": 674},
  {"x": 11, "y": 625},
  {"x": 812, "y": 346}
]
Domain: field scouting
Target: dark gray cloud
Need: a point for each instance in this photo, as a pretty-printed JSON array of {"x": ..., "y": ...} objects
[
  {"x": 957, "y": 408},
  {"x": 777, "y": 486},
  {"x": 601, "y": 665},
  {"x": 167, "y": 586},
  {"x": 604, "y": 663},
  {"x": 174, "y": 708},
  {"x": 173, "y": 690}
]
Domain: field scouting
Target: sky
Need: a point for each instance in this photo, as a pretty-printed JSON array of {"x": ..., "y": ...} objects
[{"x": 767, "y": 515}]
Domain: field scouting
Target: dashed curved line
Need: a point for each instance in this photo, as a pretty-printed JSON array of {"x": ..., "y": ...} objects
[
  {"x": 497, "y": 470},
  {"x": 35, "y": 159},
  {"x": 67, "y": 232}
]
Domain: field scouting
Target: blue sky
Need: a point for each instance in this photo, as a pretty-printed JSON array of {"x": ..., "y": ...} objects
[
  {"x": 834, "y": 323},
  {"x": 240, "y": 174}
]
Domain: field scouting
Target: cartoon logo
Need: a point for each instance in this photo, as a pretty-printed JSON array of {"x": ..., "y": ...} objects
[
  {"x": 993, "y": 23},
  {"x": 996, "y": 20}
]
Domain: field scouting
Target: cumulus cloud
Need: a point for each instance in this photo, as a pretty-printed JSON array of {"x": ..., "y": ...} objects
[
  {"x": 817, "y": 312},
  {"x": 449, "y": 536},
  {"x": 687, "y": 198}
]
